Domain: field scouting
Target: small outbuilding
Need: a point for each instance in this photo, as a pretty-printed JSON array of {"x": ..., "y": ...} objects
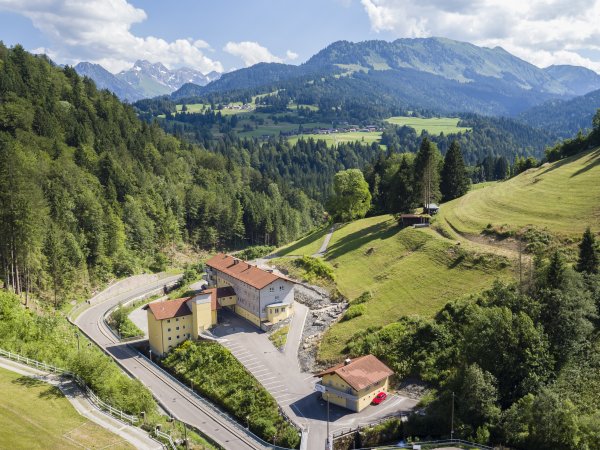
[
  {"x": 354, "y": 384},
  {"x": 409, "y": 220},
  {"x": 431, "y": 208}
]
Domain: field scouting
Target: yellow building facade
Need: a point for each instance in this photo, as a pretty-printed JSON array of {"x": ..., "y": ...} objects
[
  {"x": 174, "y": 321},
  {"x": 355, "y": 383}
]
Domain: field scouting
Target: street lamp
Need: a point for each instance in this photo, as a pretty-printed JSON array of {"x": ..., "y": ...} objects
[
  {"x": 452, "y": 419},
  {"x": 319, "y": 387},
  {"x": 150, "y": 353},
  {"x": 77, "y": 336}
]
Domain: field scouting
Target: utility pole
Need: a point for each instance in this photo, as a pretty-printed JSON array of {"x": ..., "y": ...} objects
[
  {"x": 77, "y": 336},
  {"x": 328, "y": 437},
  {"x": 452, "y": 419},
  {"x": 520, "y": 265}
]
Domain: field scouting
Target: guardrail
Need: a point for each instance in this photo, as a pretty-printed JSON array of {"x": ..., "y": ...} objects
[
  {"x": 214, "y": 409},
  {"x": 344, "y": 432},
  {"x": 442, "y": 442},
  {"x": 100, "y": 404},
  {"x": 166, "y": 437}
]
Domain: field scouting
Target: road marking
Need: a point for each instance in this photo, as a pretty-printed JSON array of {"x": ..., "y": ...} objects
[{"x": 270, "y": 378}]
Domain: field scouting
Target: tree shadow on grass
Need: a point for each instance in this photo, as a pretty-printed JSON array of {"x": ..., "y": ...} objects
[
  {"x": 28, "y": 382},
  {"x": 51, "y": 393},
  {"x": 319, "y": 234},
  {"x": 382, "y": 230},
  {"x": 594, "y": 158}
]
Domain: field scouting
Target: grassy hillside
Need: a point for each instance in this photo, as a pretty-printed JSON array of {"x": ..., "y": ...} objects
[
  {"x": 563, "y": 197},
  {"x": 35, "y": 415},
  {"x": 308, "y": 245},
  {"x": 434, "y": 125},
  {"x": 408, "y": 272}
]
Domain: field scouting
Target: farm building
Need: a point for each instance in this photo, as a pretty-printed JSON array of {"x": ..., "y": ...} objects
[
  {"x": 408, "y": 220},
  {"x": 354, "y": 384},
  {"x": 431, "y": 208}
]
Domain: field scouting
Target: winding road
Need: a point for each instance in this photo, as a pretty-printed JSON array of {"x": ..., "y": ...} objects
[
  {"x": 278, "y": 372},
  {"x": 175, "y": 398}
]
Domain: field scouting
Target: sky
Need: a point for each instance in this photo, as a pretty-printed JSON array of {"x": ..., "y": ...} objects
[{"x": 224, "y": 35}]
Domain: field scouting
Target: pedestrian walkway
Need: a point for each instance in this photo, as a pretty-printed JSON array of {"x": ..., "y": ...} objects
[{"x": 135, "y": 436}]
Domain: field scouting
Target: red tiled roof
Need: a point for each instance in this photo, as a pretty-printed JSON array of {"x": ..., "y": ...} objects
[
  {"x": 242, "y": 271},
  {"x": 360, "y": 372},
  {"x": 170, "y": 309}
]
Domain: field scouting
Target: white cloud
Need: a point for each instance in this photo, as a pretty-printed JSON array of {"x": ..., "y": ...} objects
[
  {"x": 543, "y": 32},
  {"x": 253, "y": 53},
  {"x": 100, "y": 31}
]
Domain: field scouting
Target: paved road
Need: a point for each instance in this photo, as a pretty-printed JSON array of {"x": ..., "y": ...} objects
[
  {"x": 173, "y": 397},
  {"x": 134, "y": 435},
  {"x": 325, "y": 243},
  {"x": 280, "y": 373}
]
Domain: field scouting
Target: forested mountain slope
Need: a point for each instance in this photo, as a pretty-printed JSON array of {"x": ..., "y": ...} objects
[
  {"x": 88, "y": 191},
  {"x": 434, "y": 73},
  {"x": 565, "y": 117}
]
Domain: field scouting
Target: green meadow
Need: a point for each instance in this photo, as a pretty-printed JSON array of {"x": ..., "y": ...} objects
[
  {"x": 434, "y": 125},
  {"x": 36, "y": 415},
  {"x": 562, "y": 197}
]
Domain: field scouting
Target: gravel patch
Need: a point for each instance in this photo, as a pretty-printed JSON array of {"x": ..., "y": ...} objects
[{"x": 323, "y": 313}]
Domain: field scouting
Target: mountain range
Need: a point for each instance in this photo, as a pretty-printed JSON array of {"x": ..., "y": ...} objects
[
  {"x": 434, "y": 73},
  {"x": 144, "y": 79}
]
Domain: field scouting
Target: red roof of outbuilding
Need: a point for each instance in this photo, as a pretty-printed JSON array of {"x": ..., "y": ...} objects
[
  {"x": 360, "y": 372},
  {"x": 242, "y": 271}
]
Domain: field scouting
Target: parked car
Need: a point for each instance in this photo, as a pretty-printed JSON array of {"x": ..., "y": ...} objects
[{"x": 379, "y": 398}]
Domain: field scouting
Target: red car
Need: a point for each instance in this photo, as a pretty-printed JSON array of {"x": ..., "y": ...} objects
[{"x": 379, "y": 398}]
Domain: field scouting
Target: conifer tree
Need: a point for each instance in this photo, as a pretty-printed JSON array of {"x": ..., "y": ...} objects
[
  {"x": 555, "y": 272},
  {"x": 455, "y": 182},
  {"x": 427, "y": 174},
  {"x": 588, "y": 254}
]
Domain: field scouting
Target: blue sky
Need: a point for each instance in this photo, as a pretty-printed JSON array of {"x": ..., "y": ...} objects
[{"x": 226, "y": 34}]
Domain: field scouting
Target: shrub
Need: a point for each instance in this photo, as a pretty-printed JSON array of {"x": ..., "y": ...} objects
[
  {"x": 257, "y": 251},
  {"x": 220, "y": 377},
  {"x": 362, "y": 298},
  {"x": 53, "y": 340},
  {"x": 354, "y": 311},
  {"x": 315, "y": 268}
]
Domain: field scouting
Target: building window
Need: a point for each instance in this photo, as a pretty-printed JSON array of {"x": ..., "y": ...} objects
[
  {"x": 281, "y": 288},
  {"x": 168, "y": 320},
  {"x": 177, "y": 336},
  {"x": 183, "y": 327},
  {"x": 271, "y": 289},
  {"x": 169, "y": 337},
  {"x": 177, "y": 320},
  {"x": 169, "y": 330},
  {"x": 276, "y": 310},
  {"x": 177, "y": 328}
]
